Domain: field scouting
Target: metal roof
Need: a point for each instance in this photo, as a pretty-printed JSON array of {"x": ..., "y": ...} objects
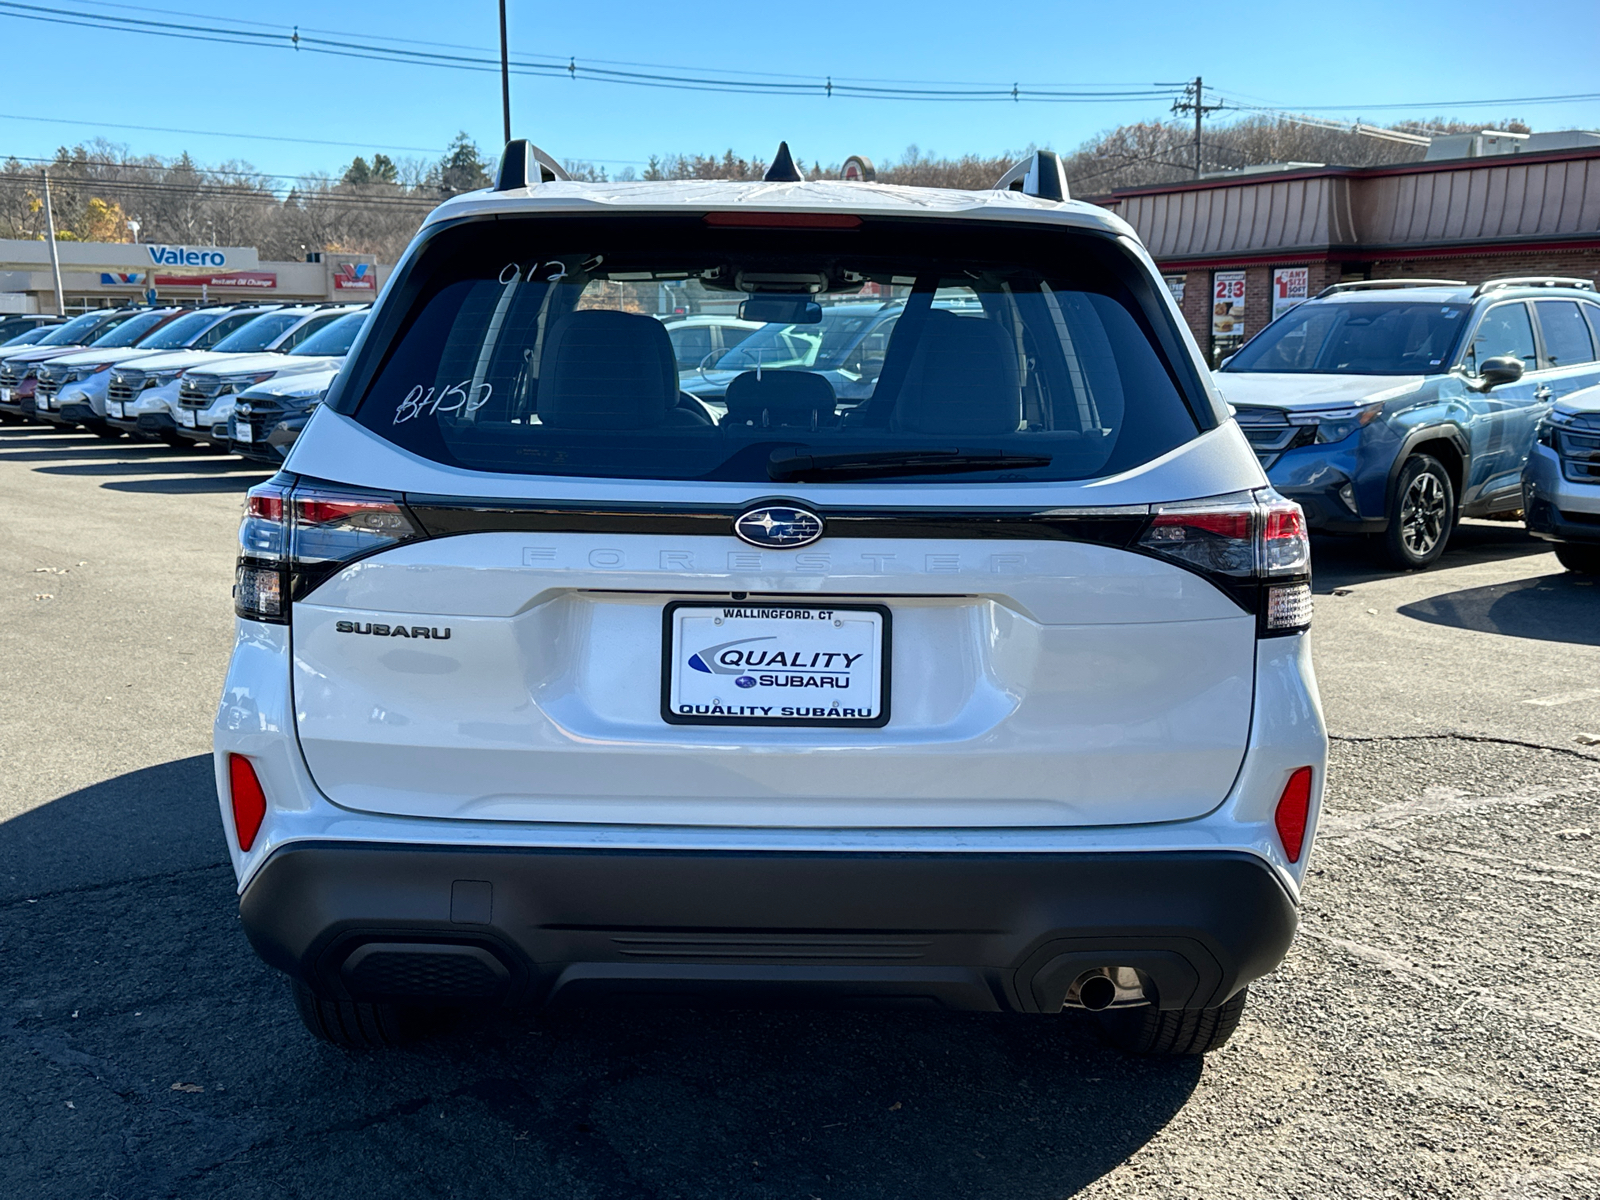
[{"x": 1463, "y": 205}]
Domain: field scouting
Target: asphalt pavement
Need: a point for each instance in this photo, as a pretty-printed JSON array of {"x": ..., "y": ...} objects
[{"x": 1434, "y": 1032}]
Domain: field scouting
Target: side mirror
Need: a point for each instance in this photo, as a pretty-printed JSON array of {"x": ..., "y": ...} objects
[{"x": 1501, "y": 369}]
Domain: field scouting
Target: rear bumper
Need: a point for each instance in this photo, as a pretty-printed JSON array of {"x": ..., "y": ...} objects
[{"x": 974, "y": 931}]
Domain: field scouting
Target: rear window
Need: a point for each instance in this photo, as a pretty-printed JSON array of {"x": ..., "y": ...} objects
[{"x": 906, "y": 348}]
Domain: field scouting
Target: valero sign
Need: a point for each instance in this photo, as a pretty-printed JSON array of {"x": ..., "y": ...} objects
[
  {"x": 355, "y": 277},
  {"x": 186, "y": 256}
]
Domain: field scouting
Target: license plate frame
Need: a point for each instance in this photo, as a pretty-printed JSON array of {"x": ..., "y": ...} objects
[
  {"x": 242, "y": 432},
  {"x": 188, "y": 418},
  {"x": 764, "y": 614}
]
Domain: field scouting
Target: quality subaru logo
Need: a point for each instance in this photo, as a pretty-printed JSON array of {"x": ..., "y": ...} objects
[{"x": 779, "y": 525}]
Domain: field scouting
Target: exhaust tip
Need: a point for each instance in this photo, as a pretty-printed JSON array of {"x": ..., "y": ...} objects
[{"x": 1097, "y": 993}]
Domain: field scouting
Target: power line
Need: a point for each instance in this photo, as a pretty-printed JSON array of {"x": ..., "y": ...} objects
[
  {"x": 256, "y": 137},
  {"x": 693, "y": 80}
]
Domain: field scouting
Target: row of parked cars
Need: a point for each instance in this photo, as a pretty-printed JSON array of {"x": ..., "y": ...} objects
[{"x": 240, "y": 377}]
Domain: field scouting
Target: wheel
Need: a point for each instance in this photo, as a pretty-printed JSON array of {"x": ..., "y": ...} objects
[
  {"x": 1585, "y": 560},
  {"x": 357, "y": 1025},
  {"x": 1421, "y": 515},
  {"x": 1181, "y": 1031}
]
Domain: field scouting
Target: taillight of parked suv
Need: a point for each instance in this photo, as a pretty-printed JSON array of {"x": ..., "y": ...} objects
[
  {"x": 1252, "y": 545},
  {"x": 294, "y": 535}
]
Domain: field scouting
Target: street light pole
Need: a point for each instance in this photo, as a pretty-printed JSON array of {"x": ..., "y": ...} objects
[
  {"x": 55, "y": 258},
  {"x": 505, "y": 71}
]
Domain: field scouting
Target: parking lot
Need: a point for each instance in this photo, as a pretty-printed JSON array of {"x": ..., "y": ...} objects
[{"x": 1434, "y": 1032}]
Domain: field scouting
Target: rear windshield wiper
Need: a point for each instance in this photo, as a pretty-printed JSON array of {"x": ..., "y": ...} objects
[{"x": 799, "y": 466}]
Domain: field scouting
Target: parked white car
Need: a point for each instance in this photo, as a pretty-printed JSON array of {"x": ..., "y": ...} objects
[{"x": 989, "y": 689}]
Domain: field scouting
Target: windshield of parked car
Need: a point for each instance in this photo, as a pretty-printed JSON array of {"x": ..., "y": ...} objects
[
  {"x": 180, "y": 332},
  {"x": 260, "y": 334},
  {"x": 74, "y": 330},
  {"x": 536, "y": 347},
  {"x": 130, "y": 331},
  {"x": 335, "y": 339},
  {"x": 31, "y": 337},
  {"x": 1367, "y": 337}
]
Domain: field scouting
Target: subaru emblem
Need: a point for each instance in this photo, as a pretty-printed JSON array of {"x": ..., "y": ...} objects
[{"x": 779, "y": 526}]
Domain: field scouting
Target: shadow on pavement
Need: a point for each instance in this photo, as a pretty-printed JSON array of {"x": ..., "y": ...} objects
[
  {"x": 1548, "y": 608},
  {"x": 159, "y": 819},
  {"x": 1347, "y": 561},
  {"x": 206, "y": 483},
  {"x": 181, "y": 461},
  {"x": 137, "y": 1000}
]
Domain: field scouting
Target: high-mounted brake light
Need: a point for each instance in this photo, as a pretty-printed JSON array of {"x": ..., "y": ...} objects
[
  {"x": 1294, "y": 810},
  {"x": 249, "y": 801},
  {"x": 783, "y": 220},
  {"x": 1252, "y": 544},
  {"x": 294, "y": 535}
]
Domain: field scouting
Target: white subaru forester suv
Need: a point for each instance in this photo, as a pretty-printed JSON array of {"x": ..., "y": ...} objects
[{"x": 554, "y": 684}]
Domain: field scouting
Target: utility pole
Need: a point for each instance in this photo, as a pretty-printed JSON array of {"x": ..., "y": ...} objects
[
  {"x": 505, "y": 71},
  {"x": 55, "y": 259},
  {"x": 1194, "y": 101}
]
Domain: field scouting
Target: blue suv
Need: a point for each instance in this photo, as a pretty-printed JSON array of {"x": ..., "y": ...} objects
[{"x": 1397, "y": 407}]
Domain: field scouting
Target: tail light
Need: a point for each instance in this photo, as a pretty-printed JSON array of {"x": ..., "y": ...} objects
[
  {"x": 295, "y": 534},
  {"x": 1253, "y": 545},
  {"x": 249, "y": 801},
  {"x": 1294, "y": 809}
]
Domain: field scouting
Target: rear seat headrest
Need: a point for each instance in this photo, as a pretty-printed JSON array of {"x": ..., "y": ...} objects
[
  {"x": 603, "y": 369},
  {"x": 962, "y": 379},
  {"x": 780, "y": 398}
]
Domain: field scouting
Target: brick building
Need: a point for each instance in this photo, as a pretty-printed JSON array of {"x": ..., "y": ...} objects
[{"x": 1236, "y": 247}]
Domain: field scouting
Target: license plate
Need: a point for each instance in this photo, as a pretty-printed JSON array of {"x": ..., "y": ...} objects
[
  {"x": 186, "y": 417},
  {"x": 5, "y": 395},
  {"x": 114, "y": 409},
  {"x": 242, "y": 432},
  {"x": 744, "y": 663}
]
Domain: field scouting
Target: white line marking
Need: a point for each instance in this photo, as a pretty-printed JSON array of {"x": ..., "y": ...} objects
[{"x": 1565, "y": 698}]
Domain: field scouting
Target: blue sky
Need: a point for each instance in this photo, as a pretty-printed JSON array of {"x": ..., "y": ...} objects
[{"x": 1353, "y": 52}]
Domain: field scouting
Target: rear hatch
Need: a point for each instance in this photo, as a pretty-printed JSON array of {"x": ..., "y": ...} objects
[{"x": 975, "y": 598}]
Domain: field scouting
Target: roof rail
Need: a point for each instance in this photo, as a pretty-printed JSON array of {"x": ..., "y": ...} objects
[
  {"x": 1490, "y": 285},
  {"x": 523, "y": 164},
  {"x": 1040, "y": 174},
  {"x": 1378, "y": 285}
]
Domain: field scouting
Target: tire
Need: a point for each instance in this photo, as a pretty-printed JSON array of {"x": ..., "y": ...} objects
[
  {"x": 357, "y": 1025},
  {"x": 1170, "y": 1034},
  {"x": 1585, "y": 560},
  {"x": 1422, "y": 514}
]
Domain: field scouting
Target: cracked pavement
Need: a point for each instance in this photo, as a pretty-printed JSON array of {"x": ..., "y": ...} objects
[{"x": 1434, "y": 1031}]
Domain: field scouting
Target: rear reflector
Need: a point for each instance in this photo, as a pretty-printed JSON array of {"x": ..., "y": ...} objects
[
  {"x": 1289, "y": 607},
  {"x": 1294, "y": 807},
  {"x": 249, "y": 801}
]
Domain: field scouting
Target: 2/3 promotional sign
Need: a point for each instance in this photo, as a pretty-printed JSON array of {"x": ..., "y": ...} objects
[
  {"x": 746, "y": 663},
  {"x": 1227, "y": 304}
]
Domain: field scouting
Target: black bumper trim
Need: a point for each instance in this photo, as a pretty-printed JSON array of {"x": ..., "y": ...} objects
[{"x": 963, "y": 930}]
